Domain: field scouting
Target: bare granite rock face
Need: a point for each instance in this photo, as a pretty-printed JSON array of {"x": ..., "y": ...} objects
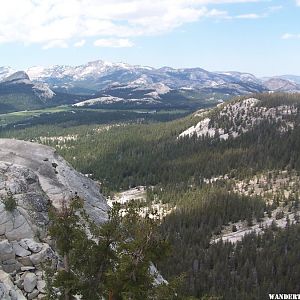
[{"x": 35, "y": 176}]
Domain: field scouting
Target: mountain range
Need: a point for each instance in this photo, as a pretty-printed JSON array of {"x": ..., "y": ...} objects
[{"x": 104, "y": 84}]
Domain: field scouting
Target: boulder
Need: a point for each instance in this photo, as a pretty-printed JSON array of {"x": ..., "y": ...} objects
[
  {"x": 8, "y": 291},
  {"x": 33, "y": 245},
  {"x": 11, "y": 265},
  {"x": 33, "y": 294},
  {"x": 25, "y": 261},
  {"x": 6, "y": 251},
  {"x": 30, "y": 281},
  {"x": 20, "y": 251},
  {"x": 41, "y": 285},
  {"x": 28, "y": 268},
  {"x": 23, "y": 244},
  {"x": 4, "y": 293},
  {"x": 45, "y": 254}
]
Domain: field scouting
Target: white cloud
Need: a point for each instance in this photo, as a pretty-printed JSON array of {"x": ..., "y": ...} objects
[
  {"x": 79, "y": 44},
  {"x": 290, "y": 36},
  {"x": 113, "y": 43},
  {"x": 275, "y": 8},
  {"x": 55, "y": 44},
  {"x": 249, "y": 16},
  {"x": 253, "y": 16},
  {"x": 50, "y": 22},
  {"x": 298, "y": 2}
]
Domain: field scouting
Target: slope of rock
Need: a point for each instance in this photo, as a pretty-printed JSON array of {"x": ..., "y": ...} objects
[
  {"x": 33, "y": 168},
  {"x": 35, "y": 176}
]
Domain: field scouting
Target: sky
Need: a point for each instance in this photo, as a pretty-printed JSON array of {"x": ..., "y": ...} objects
[{"x": 257, "y": 36}]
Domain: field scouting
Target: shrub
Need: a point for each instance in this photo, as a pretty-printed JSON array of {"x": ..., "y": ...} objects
[
  {"x": 279, "y": 215},
  {"x": 10, "y": 203}
]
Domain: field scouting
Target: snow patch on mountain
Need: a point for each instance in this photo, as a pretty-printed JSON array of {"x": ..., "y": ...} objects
[
  {"x": 245, "y": 77},
  {"x": 36, "y": 71},
  {"x": 5, "y": 72},
  {"x": 17, "y": 78},
  {"x": 144, "y": 80},
  {"x": 102, "y": 75},
  {"x": 90, "y": 70},
  {"x": 158, "y": 89}
]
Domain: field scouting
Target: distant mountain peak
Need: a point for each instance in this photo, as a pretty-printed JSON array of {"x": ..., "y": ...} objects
[
  {"x": 97, "y": 76},
  {"x": 17, "y": 76},
  {"x": 5, "y": 72},
  {"x": 40, "y": 89},
  {"x": 282, "y": 85}
]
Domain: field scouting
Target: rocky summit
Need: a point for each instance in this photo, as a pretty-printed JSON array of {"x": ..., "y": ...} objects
[{"x": 35, "y": 176}]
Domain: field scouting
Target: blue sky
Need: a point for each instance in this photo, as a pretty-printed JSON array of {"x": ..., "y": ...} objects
[{"x": 257, "y": 36}]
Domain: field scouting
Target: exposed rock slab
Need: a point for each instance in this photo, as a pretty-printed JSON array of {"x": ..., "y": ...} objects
[{"x": 37, "y": 175}]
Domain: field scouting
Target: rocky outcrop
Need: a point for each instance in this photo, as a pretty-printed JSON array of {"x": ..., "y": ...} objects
[
  {"x": 35, "y": 176},
  {"x": 21, "y": 268},
  {"x": 8, "y": 290},
  {"x": 236, "y": 118}
]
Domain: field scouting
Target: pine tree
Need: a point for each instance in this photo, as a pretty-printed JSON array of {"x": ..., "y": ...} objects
[{"x": 111, "y": 260}]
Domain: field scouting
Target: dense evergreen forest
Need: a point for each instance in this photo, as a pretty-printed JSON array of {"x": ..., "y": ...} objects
[
  {"x": 250, "y": 269},
  {"x": 69, "y": 117},
  {"x": 151, "y": 154},
  {"x": 124, "y": 155}
]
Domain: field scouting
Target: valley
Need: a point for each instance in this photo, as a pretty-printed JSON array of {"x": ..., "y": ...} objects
[{"x": 223, "y": 180}]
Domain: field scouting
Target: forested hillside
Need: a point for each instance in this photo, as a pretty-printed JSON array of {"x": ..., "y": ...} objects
[
  {"x": 223, "y": 171},
  {"x": 150, "y": 154}
]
